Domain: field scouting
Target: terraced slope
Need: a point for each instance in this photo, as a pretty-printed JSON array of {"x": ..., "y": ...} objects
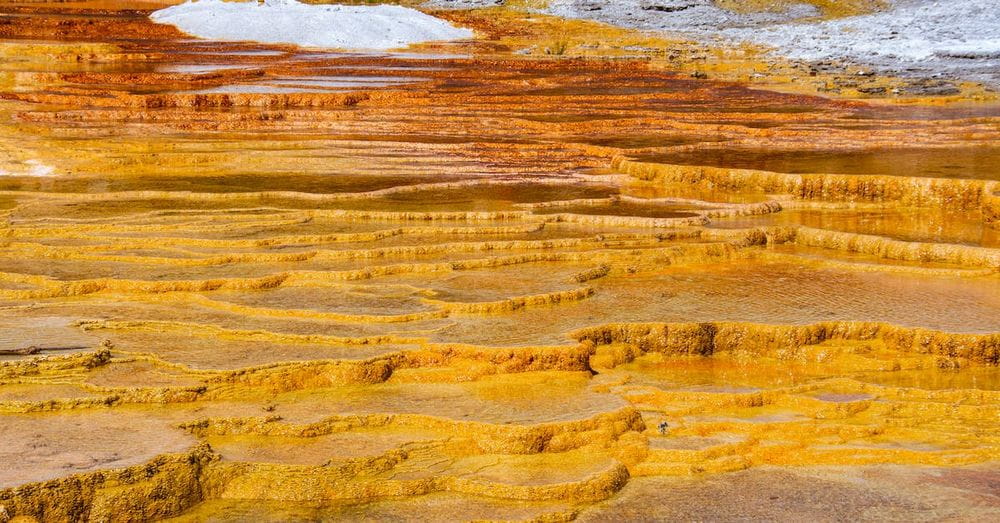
[{"x": 245, "y": 282}]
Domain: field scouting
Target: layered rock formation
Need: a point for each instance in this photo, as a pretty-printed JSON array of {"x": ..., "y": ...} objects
[{"x": 259, "y": 282}]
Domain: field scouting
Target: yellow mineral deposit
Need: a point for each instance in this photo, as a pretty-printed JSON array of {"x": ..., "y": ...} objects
[{"x": 250, "y": 282}]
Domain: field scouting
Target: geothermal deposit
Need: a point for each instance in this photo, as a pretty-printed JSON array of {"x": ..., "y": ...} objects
[{"x": 477, "y": 262}]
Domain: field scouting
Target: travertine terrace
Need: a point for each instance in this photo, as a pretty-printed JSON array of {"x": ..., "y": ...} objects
[{"x": 458, "y": 282}]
